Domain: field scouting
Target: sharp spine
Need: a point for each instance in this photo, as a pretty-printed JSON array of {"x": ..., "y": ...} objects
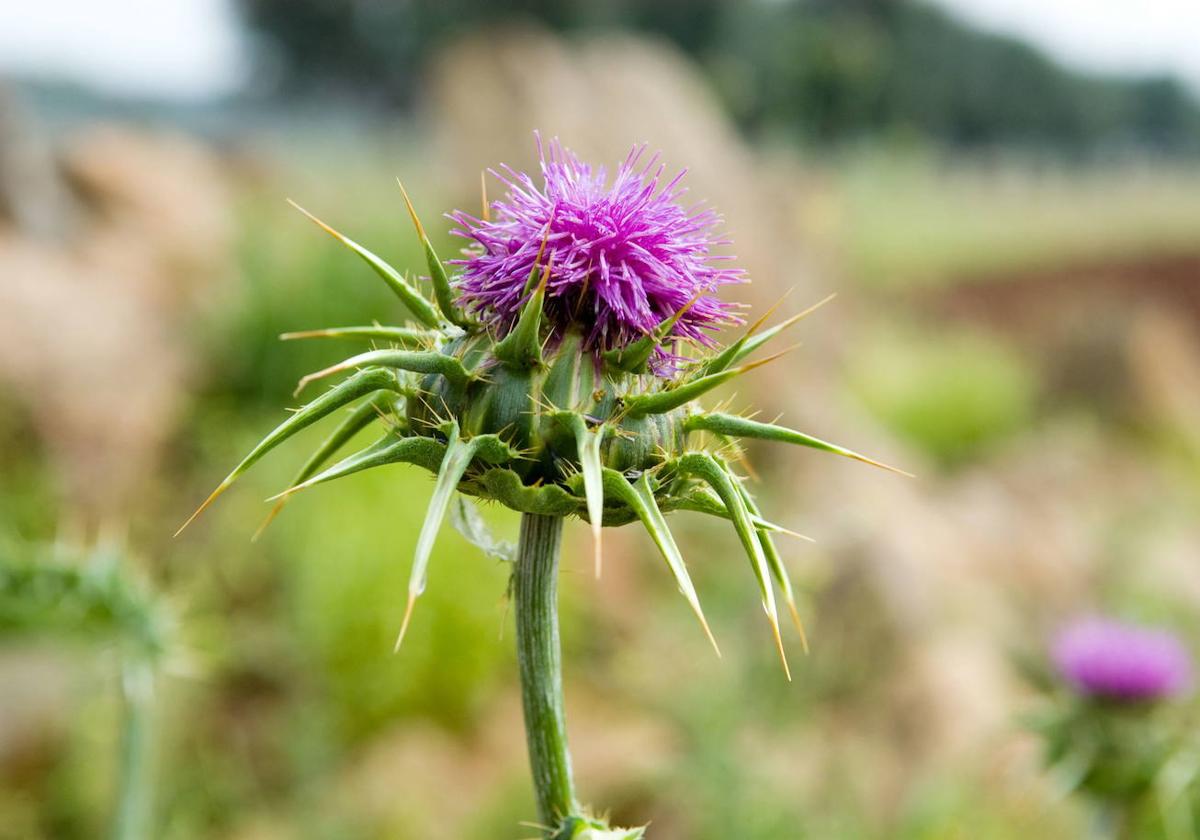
[
  {"x": 640, "y": 497},
  {"x": 359, "y": 385},
  {"x": 661, "y": 402},
  {"x": 588, "y": 443},
  {"x": 775, "y": 562},
  {"x": 416, "y": 361},
  {"x": 418, "y": 306},
  {"x": 389, "y": 449},
  {"x": 400, "y": 335},
  {"x": 702, "y": 500},
  {"x": 442, "y": 290},
  {"x": 361, "y": 417},
  {"x": 742, "y": 427},
  {"x": 459, "y": 454},
  {"x": 712, "y": 472},
  {"x": 753, "y": 339}
]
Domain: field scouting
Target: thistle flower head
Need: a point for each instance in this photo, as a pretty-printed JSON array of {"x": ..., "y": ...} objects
[
  {"x": 625, "y": 256},
  {"x": 1124, "y": 662},
  {"x": 487, "y": 386}
]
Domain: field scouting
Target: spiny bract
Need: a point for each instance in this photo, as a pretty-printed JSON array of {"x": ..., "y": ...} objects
[{"x": 551, "y": 376}]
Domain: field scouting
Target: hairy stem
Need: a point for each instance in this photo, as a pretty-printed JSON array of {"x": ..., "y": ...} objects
[{"x": 535, "y": 591}]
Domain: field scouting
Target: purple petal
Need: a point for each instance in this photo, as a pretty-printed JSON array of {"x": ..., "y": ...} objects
[
  {"x": 1118, "y": 661},
  {"x": 629, "y": 250}
]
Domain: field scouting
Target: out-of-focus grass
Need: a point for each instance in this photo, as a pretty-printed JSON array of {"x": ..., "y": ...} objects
[
  {"x": 353, "y": 548},
  {"x": 915, "y": 220},
  {"x": 28, "y": 506}
]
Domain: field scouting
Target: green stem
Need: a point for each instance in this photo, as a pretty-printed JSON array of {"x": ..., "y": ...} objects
[
  {"x": 133, "y": 782},
  {"x": 535, "y": 591}
]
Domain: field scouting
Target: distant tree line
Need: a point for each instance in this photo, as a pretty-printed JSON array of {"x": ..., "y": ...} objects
[{"x": 825, "y": 71}]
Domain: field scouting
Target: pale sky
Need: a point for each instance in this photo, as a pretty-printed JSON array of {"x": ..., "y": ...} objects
[
  {"x": 1149, "y": 36},
  {"x": 192, "y": 48},
  {"x": 174, "y": 48}
]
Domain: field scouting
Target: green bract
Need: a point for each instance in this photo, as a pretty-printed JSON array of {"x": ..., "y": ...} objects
[{"x": 542, "y": 426}]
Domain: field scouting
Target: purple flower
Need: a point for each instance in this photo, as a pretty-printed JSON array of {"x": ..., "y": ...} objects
[
  {"x": 625, "y": 256},
  {"x": 1119, "y": 661}
]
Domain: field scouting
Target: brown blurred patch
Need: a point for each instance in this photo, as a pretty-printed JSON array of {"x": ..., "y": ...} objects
[
  {"x": 127, "y": 231},
  {"x": 1079, "y": 318}
]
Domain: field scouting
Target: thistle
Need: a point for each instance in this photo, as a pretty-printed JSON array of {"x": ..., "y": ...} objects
[
  {"x": 558, "y": 372},
  {"x": 1118, "y": 734},
  {"x": 92, "y": 596},
  {"x": 1121, "y": 663}
]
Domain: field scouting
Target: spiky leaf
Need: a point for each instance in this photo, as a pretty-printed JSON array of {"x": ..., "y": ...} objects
[
  {"x": 775, "y": 562},
  {"x": 361, "y": 384},
  {"x": 734, "y": 426},
  {"x": 588, "y": 442},
  {"x": 712, "y": 472},
  {"x": 459, "y": 454},
  {"x": 522, "y": 347},
  {"x": 640, "y": 497},
  {"x": 362, "y": 416},
  {"x": 404, "y": 336},
  {"x": 424, "y": 452}
]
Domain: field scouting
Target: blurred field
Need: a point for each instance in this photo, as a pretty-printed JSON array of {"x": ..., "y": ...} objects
[
  {"x": 907, "y": 219},
  {"x": 1001, "y": 330}
]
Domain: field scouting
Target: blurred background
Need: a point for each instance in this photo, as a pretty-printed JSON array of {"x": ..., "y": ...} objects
[{"x": 1004, "y": 195}]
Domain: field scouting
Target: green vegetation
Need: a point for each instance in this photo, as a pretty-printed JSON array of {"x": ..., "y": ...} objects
[
  {"x": 954, "y": 395},
  {"x": 832, "y": 71}
]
